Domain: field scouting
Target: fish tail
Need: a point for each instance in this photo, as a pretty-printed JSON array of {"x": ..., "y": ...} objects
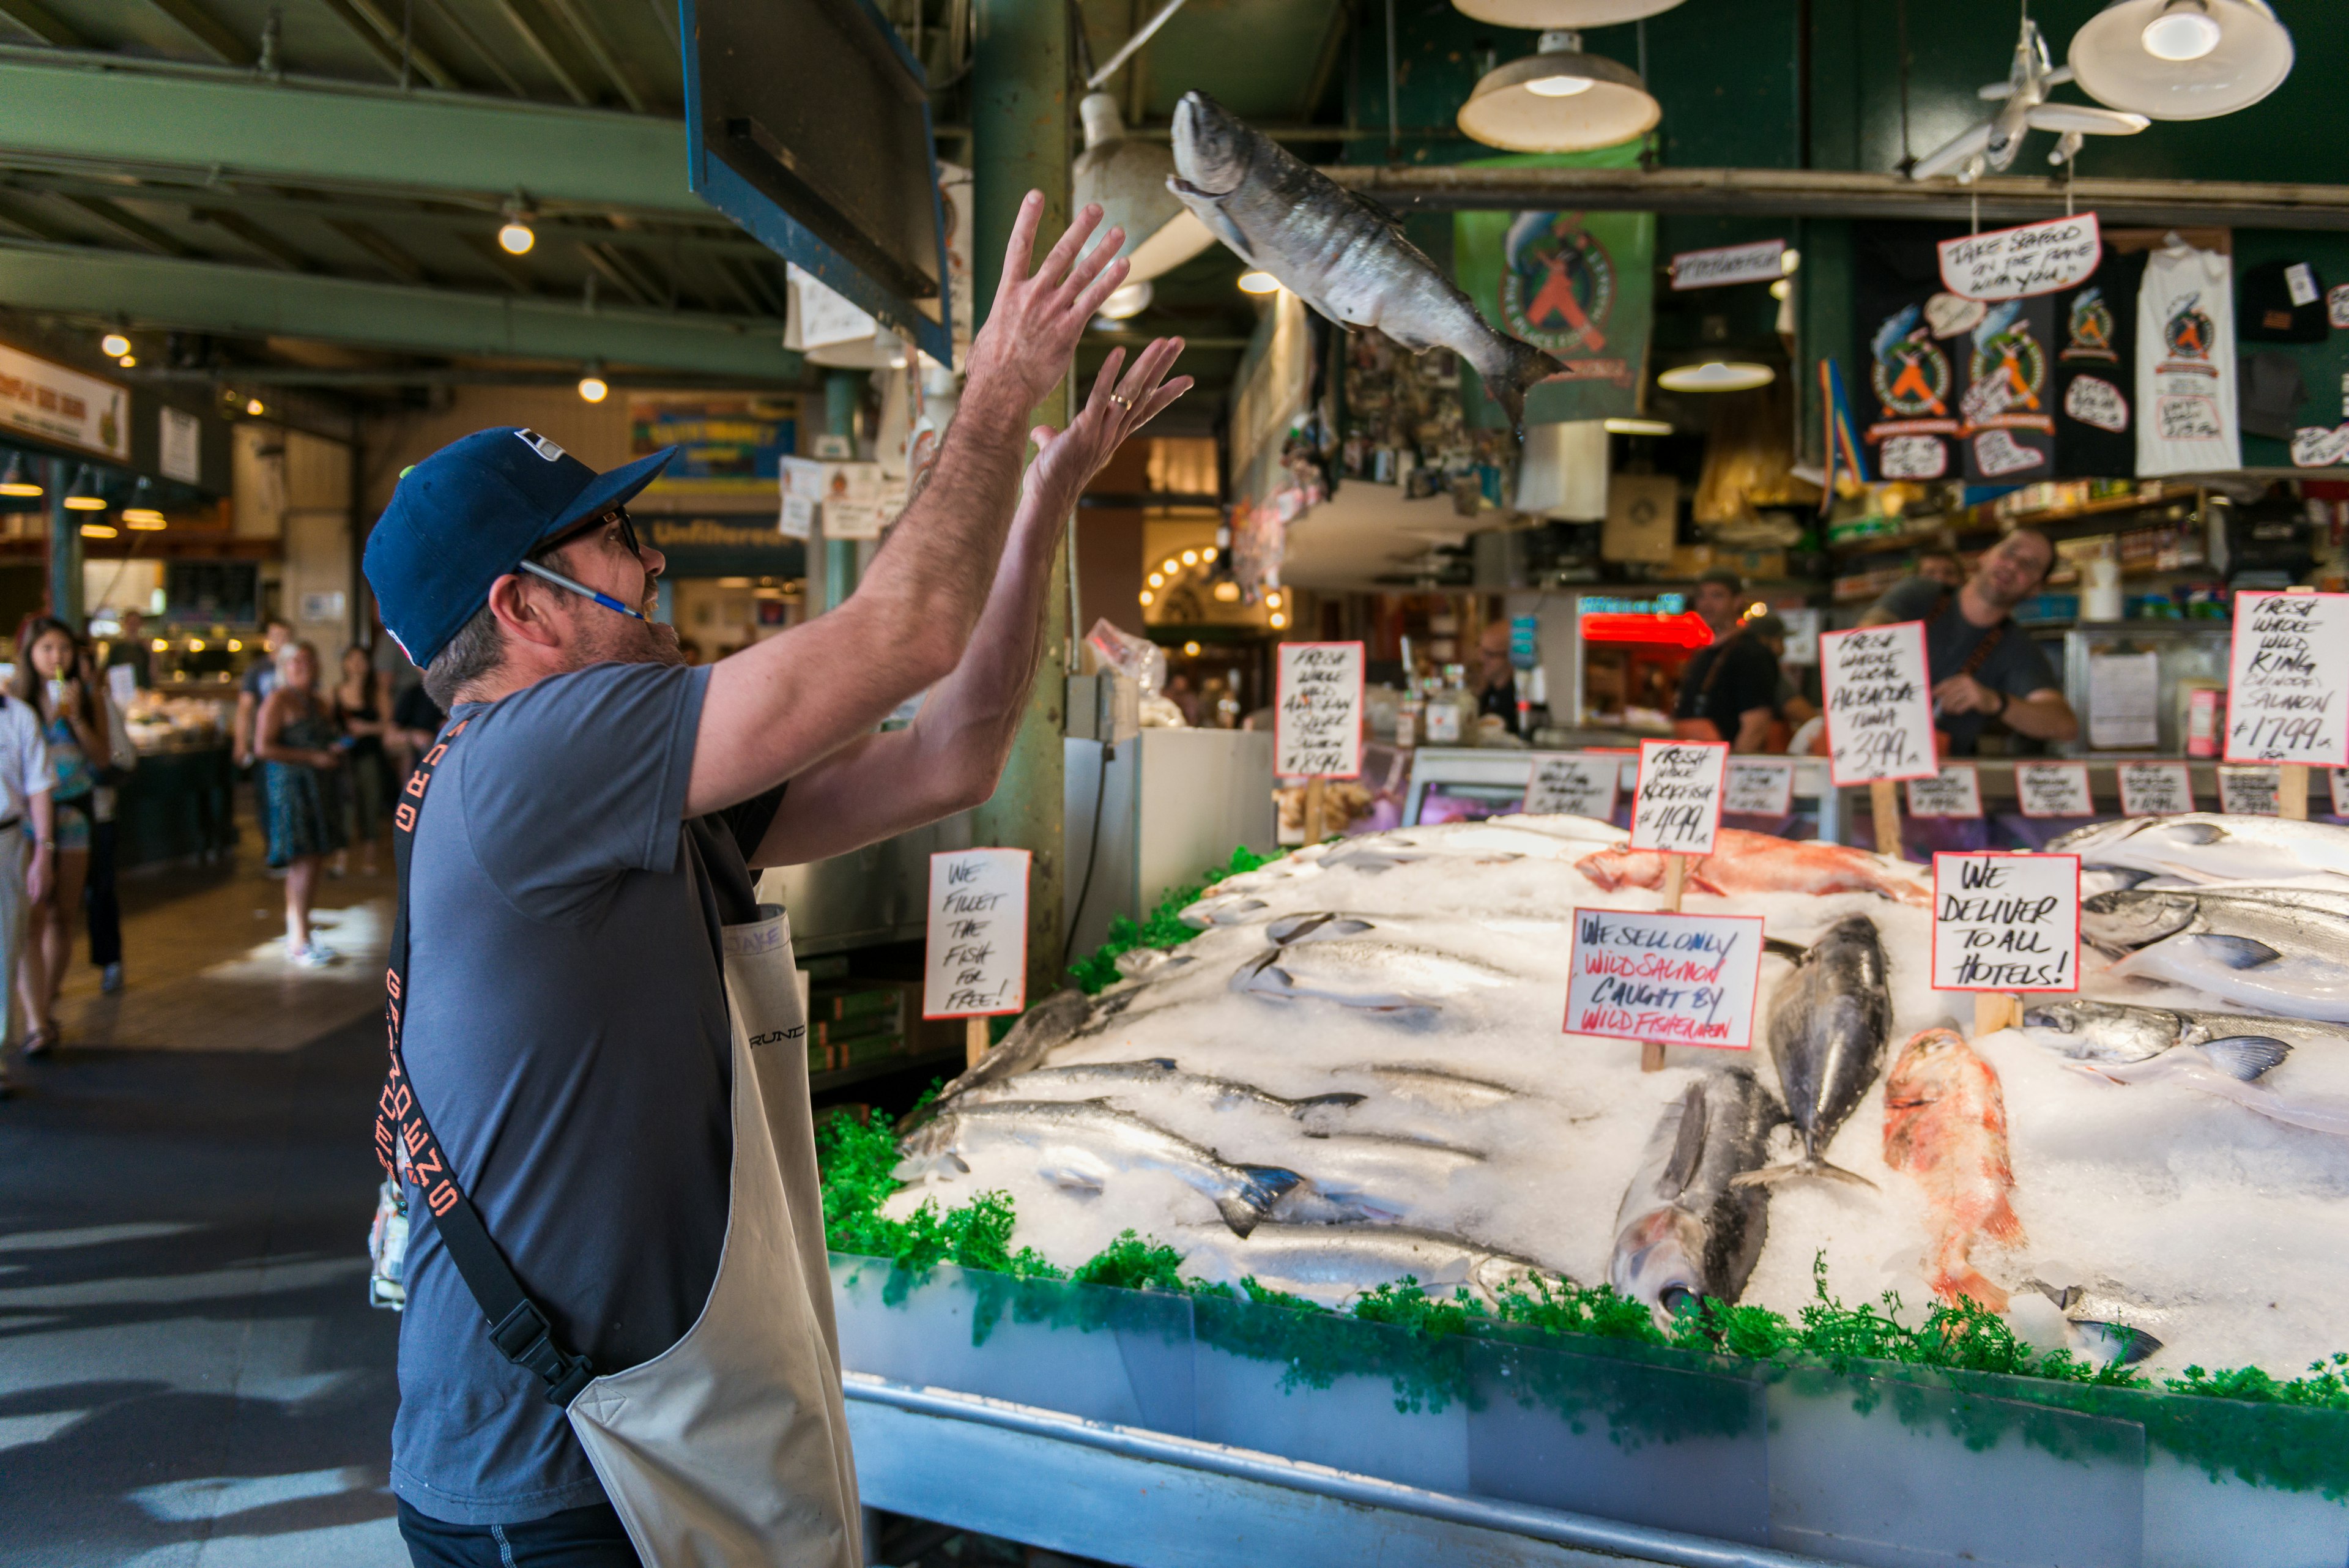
[
  {"x": 1310, "y": 1102},
  {"x": 1772, "y": 1175},
  {"x": 1260, "y": 1187},
  {"x": 2002, "y": 1224},
  {"x": 1524, "y": 366},
  {"x": 1969, "y": 1284}
]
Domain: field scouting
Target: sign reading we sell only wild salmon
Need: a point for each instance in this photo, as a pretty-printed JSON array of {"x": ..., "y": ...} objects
[
  {"x": 2006, "y": 922},
  {"x": 1879, "y": 703},
  {"x": 1317, "y": 710},
  {"x": 1676, "y": 804},
  {"x": 975, "y": 960},
  {"x": 1678, "y": 979}
]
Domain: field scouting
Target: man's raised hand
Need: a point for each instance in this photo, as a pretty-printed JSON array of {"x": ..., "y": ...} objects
[
  {"x": 1031, "y": 332},
  {"x": 1066, "y": 460}
]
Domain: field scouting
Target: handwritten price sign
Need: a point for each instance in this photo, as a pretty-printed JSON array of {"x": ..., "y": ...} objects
[
  {"x": 1572, "y": 786},
  {"x": 1318, "y": 724},
  {"x": 2155, "y": 789},
  {"x": 1676, "y": 805},
  {"x": 2289, "y": 693},
  {"x": 1681, "y": 980},
  {"x": 1879, "y": 703},
  {"x": 976, "y": 963},
  {"x": 2006, "y": 923}
]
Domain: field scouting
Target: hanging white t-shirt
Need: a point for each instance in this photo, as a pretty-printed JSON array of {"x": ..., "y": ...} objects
[{"x": 2186, "y": 364}]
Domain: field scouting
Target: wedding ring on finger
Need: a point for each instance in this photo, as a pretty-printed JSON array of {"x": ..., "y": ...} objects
[{"x": 1122, "y": 402}]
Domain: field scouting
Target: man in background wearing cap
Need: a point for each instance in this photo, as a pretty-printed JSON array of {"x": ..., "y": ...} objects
[
  {"x": 600, "y": 817},
  {"x": 1729, "y": 691}
]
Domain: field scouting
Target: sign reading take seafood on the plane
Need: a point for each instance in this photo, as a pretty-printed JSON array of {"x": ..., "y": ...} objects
[
  {"x": 2288, "y": 686},
  {"x": 975, "y": 961},
  {"x": 1564, "y": 785},
  {"x": 1676, "y": 805},
  {"x": 2011, "y": 264},
  {"x": 1879, "y": 704},
  {"x": 1317, "y": 717},
  {"x": 1679, "y": 979},
  {"x": 2006, "y": 922}
]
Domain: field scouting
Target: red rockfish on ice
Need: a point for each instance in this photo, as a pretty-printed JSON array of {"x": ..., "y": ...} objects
[
  {"x": 1945, "y": 1125},
  {"x": 1743, "y": 862}
]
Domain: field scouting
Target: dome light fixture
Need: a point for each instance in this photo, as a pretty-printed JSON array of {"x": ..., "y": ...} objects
[
  {"x": 1126, "y": 301},
  {"x": 1258, "y": 282},
  {"x": 144, "y": 519},
  {"x": 1716, "y": 376},
  {"x": 515, "y": 235},
  {"x": 1127, "y": 178},
  {"x": 255, "y": 407},
  {"x": 2181, "y": 59},
  {"x": 1226, "y": 592},
  {"x": 1560, "y": 99},
  {"x": 1621, "y": 426},
  {"x": 100, "y": 531},
  {"x": 1146, "y": 597},
  {"x": 1536, "y": 14},
  {"x": 593, "y": 388},
  {"x": 84, "y": 495},
  {"x": 115, "y": 345},
  {"x": 17, "y": 480}
]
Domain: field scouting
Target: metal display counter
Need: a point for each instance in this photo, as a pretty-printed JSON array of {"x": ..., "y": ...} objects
[
  {"x": 1169, "y": 1431},
  {"x": 1496, "y": 775}
]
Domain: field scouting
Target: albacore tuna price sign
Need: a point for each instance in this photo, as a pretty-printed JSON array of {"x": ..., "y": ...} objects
[
  {"x": 1674, "y": 980},
  {"x": 2006, "y": 923},
  {"x": 2288, "y": 699},
  {"x": 1879, "y": 704}
]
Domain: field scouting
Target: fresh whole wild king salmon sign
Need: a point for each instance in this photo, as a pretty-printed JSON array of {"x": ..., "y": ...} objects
[
  {"x": 1679, "y": 979},
  {"x": 2288, "y": 698}
]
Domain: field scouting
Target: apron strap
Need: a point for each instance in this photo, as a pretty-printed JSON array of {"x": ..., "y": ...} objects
[{"x": 405, "y": 1145}]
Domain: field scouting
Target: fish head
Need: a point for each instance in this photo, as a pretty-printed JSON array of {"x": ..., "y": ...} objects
[
  {"x": 1928, "y": 1065},
  {"x": 1212, "y": 149},
  {"x": 1660, "y": 1259},
  {"x": 929, "y": 1151},
  {"x": 2063, "y": 1017},
  {"x": 2133, "y": 920}
]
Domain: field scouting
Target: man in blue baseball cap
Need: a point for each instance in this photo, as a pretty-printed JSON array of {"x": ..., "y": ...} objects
[{"x": 585, "y": 853}]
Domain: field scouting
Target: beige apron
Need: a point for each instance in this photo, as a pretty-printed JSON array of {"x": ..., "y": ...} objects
[{"x": 731, "y": 1448}]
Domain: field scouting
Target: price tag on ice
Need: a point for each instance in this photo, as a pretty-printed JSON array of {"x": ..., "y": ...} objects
[
  {"x": 1681, "y": 979},
  {"x": 2247, "y": 792},
  {"x": 2288, "y": 698},
  {"x": 1879, "y": 703},
  {"x": 1759, "y": 787},
  {"x": 2155, "y": 789},
  {"x": 2005, "y": 922},
  {"x": 975, "y": 961},
  {"x": 1318, "y": 719},
  {"x": 1676, "y": 805},
  {"x": 2054, "y": 789},
  {"x": 1955, "y": 791},
  {"x": 1573, "y": 786}
]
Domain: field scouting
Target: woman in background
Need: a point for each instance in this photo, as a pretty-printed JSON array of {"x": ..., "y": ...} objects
[
  {"x": 362, "y": 716},
  {"x": 299, "y": 749},
  {"x": 99, "y": 901},
  {"x": 48, "y": 679}
]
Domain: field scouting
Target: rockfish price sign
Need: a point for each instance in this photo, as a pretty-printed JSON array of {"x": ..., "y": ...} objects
[
  {"x": 1666, "y": 979},
  {"x": 976, "y": 963},
  {"x": 2006, "y": 923},
  {"x": 1676, "y": 805},
  {"x": 1318, "y": 725},
  {"x": 1879, "y": 703},
  {"x": 2288, "y": 698}
]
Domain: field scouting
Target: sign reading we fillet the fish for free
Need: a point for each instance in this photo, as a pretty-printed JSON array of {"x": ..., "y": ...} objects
[
  {"x": 2006, "y": 922},
  {"x": 1676, "y": 805},
  {"x": 2288, "y": 687},
  {"x": 1317, "y": 712},
  {"x": 1675, "y": 979},
  {"x": 975, "y": 961},
  {"x": 1879, "y": 703}
]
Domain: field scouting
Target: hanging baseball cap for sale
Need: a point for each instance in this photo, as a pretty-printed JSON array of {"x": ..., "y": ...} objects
[
  {"x": 2283, "y": 302},
  {"x": 468, "y": 514}
]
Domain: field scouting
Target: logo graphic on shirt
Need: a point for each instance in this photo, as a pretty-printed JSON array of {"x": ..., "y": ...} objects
[
  {"x": 1911, "y": 375},
  {"x": 2091, "y": 328},
  {"x": 1558, "y": 287},
  {"x": 2012, "y": 364},
  {"x": 2188, "y": 335},
  {"x": 539, "y": 444}
]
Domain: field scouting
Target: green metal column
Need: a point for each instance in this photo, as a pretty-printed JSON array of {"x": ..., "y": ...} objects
[
  {"x": 841, "y": 389},
  {"x": 1021, "y": 121},
  {"x": 64, "y": 548}
]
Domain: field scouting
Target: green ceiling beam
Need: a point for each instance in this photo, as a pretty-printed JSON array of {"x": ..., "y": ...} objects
[
  {"x": 210, "y": 296},
  {"x": 422, "y": 143}
]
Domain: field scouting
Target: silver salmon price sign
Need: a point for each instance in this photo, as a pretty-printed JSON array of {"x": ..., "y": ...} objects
[
  {"x": 2288, "y": 691},
  {"x": 2006, "y": 923}
]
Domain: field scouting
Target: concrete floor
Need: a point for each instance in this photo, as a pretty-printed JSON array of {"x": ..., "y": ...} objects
[{"x": 188, "y": 1370}]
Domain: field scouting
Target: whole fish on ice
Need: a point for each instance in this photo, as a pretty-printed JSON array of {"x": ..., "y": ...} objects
[
  {"x": 1344, "y": 256},
  {"x": 1945, "y": 1125},
  {"x": 1829, "y": 1021},
  {"x": 1372, "y": 976},
  {"x": 1043, "y": 1028},
  {"x": 1688, "y": 1229},
  {"x": 2194, "y": 1067},
  {"x": 1080, "y": 1144},
  {"x": 1156, "y": 1076},
  {"x": 2290, "y": 918},
  {"x": 2239, "y": 1044},
  {"x": 1436, "y": 1087},
  {"x": 2209, "y": 847},
  {"x": 1353, "y": 1175},
  {"x": 2246, "y": 972},
  {"x": 1742, "y": 863},
  {"x": 1333, "y": 1263}
]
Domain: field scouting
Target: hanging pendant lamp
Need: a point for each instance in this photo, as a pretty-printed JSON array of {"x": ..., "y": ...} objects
[
  {"x": 1538, "y": 15},
  {"x": 84, "y": 495},
  {"x": 1559, "y": 100},
  {"x": 2181, "y": 59},
  {"x": 18, "y": 480},
  {"x": 1128, "y": 179}
]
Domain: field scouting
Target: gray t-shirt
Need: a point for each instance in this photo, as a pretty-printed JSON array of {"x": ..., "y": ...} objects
[
  {"x": 567, "y": 1036},
  {"x": 2018, "y": 665}
]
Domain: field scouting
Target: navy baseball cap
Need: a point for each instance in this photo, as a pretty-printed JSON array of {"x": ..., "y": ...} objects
[{"x": 468, "y": 514}]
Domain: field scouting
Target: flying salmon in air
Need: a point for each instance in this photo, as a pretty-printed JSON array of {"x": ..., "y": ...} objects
[{"x": 1343, "y": 255}]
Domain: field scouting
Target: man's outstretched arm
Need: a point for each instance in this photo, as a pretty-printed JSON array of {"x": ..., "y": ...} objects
[
  {"x": 951, "y": 755},
  {"x": 782, "y": 704}
]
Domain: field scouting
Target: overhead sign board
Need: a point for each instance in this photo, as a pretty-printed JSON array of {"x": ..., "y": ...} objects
[
  {"x": 1763, "y": 261},
  {"x": 47, "y": 402}
]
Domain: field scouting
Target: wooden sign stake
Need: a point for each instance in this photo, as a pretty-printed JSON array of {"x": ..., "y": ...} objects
[
  {"x": 2291, "y": 778},
  {"x": 974, "y": 1041},
  {"x": 1314, "y": 789},
  {"x": 1993, "y": 1011},
  {"x": 1652, "y": 1052},
  {"x": 1884, "y": 803}
]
